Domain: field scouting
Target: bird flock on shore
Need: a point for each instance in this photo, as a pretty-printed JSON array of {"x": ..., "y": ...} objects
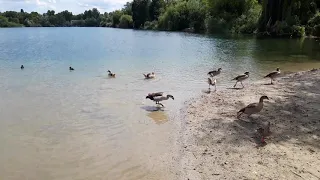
[{"x": 250, "y": 109}]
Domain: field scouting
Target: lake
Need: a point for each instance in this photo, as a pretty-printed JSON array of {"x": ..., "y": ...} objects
[{"x": 57, "y": 124}]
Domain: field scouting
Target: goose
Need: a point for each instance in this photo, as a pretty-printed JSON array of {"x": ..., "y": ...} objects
[
  {"x": 214, "y": 73},
  {"x": 70, "y": 68},
  {"x": 212, "y": 83},
  {"x": 241, "y": 78},
  {"x": 252, "y": 108},
  {"x": 273, "y": 75},
  {"x": 111, "y": 74},
  {"x": 264, "y": 131},
  {"x": 22, "y": 67},
  {"x": 152, "y": 95},
  {"x": 157, "y": 97},
  {"x": 149, "y": 75}
]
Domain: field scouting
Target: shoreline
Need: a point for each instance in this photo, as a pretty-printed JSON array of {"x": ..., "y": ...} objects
[{"x": 215, "y": 145}]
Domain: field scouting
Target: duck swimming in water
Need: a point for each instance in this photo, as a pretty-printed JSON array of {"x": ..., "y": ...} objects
[
  {"x": 110, "y": 74},
  {"x": 70, "y": 68},
  {"x": 149, "y": 75},
  {"x": 22, "y": 67}
]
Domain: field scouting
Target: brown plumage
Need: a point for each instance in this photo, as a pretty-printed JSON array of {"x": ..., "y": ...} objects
[
  {"x": 252, "y": 108},
  {"x": 158, "y": 96}
]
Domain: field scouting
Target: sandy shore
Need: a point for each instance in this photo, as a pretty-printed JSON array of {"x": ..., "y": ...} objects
[{"x": 216, "y": 145}]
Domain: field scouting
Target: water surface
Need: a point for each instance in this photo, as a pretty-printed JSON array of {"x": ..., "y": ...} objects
[{"x": 57, "y": 124}]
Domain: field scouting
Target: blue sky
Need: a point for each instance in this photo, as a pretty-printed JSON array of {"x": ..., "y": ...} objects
[{"x": 75, "y": 6}]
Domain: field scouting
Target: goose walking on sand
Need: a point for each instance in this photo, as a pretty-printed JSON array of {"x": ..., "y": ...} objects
[
  {"x": 212, "y": 83},
  {"x": 149, "y": 75},
  {"x": 241, "y": 78},
  {"x": 214, "y": 73},
  {"x": 157, "y": 97},
  {"x": 110, "y": 74},
  {"x": 264, "y": 131},
  {"x": 273, "y": 75},
  {"x": 252, "y": 108}
]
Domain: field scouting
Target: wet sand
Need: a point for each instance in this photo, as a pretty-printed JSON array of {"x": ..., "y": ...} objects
[{"x": 216, "y": 145}]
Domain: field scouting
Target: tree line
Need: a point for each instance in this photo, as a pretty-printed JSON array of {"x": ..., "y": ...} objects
[{"x": 290, "y": 18}]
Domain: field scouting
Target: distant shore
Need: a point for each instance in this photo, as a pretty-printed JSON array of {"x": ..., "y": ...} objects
[{"x": 216, "y": 145}]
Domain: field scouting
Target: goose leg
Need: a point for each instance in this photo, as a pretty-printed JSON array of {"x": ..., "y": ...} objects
[
  {"x": 235, "y": 84},
  {"x": 271, "y": 81},
  {"x": 242, "y": 84},
  {"x": 215, "y": 87}
]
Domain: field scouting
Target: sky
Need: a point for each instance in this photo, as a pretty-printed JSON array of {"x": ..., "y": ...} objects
[{"x": 75, "y": 6}]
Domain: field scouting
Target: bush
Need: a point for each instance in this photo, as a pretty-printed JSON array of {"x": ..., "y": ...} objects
[
  {"x": 316, "y": 31},
  {"x": 150, "y": 25},
  {"x": 126, "y": 21}
]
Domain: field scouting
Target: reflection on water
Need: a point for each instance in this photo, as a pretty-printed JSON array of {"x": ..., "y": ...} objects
[
  {"x": 57, "y": 124},
  {"x": 159, "y": 117}
]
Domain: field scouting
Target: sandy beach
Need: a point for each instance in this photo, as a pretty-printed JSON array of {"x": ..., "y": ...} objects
[{"x": 216, "y": 145}]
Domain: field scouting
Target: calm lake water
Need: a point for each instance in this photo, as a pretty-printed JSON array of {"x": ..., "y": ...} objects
[{"x": 57, "y": 124}]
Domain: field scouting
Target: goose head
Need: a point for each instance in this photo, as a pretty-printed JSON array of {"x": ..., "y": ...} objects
[
  {"x": 246, "y": 73},
  {"x": 219, "y": 69},
  {"x": 170, "y": 96},
  {"x": 278, "y": 69}
]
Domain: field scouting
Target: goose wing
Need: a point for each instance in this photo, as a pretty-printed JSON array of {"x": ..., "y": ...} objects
[
  {"x": 240, "y": 77},
  {"x": 272, "y": 74},
  {"x": 155, "y": 94},
  {"x": 249, "y": 107}
]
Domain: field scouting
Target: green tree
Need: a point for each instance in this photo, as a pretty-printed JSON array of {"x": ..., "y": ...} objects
[
  {"x": 140, "y": 12},
  {"x": 116, "y": 15},
  {"x": 126, "y": 21},
  {"x": 155, "y": 9}
]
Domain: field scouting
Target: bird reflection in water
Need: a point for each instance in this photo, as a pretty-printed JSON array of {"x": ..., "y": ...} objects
[{"x": 159, "y": 117}]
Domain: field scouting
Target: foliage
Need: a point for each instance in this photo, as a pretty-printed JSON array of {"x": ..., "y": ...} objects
[
  {"x": 153, "y": 25},
  {"x": 140, "y": 12},
  {"x": 290, "y": 18},
  {"x": 183, "y": 15},
  {"x": 126, "y": 21}
]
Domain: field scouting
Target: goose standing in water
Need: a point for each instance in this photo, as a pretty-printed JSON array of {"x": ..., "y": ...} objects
[
  {"x": 22, "y": 67},
  {"x": 111, "y": 74},
  {"x": 252, "y": 108},
  {"x": 273, "y": 75},
  {"x": 70, "y": 68},
  {"x": 149, "y": 75},
  {"x": 157, "y": 97},
  {"x": 212, "y": 83},
  {"x": 241, "y": 78},
  {"x": 214, "y": 73}
]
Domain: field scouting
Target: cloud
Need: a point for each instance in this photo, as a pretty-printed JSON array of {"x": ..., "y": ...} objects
[{"x": 75, "y": 6}]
